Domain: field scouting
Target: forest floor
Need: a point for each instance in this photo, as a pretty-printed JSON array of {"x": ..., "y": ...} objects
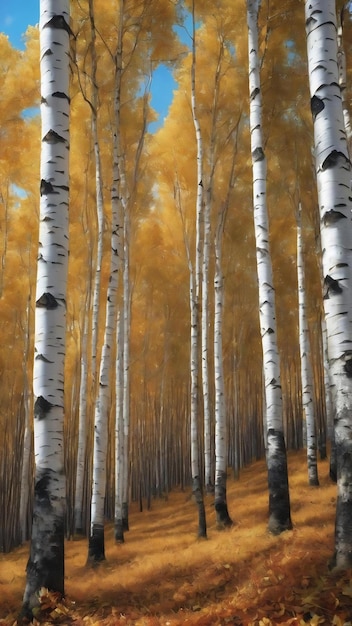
[{"x": 163, "y": 575}]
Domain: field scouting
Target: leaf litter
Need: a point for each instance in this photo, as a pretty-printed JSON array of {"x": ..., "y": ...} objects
[{"x": 164, "y": 576}]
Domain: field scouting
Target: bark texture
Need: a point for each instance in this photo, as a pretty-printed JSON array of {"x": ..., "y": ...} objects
[
  {"x": 279, "y": 500},
  {"x": 46, "y": 562},
  {"x": 333, "y": 170}
]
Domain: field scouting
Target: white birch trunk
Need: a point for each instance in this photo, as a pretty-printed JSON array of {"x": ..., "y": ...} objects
[
  {"x": 306, "y": 369},
  {"x": 82, "y": 429},
  {"x": 279, "y": 501},
  {"x": 126, "y": 369},
  {"x": 222, "y": 515},
  {"x": 96, "y": 551},
  {"x": 45, "y": 567},
  {"x": 119, "y": 435},
  {"x": 208, "y": 199},
  {"x": 208, "y": 448},
  {"x": 328, "y": 388},
  {"x": 194, "y": 305},
  {"x": 333, "y": 169},
  {"x": 119, "y": 188},
  {"x": 99, "y": 201},
  {"x": 26, "y": 474}
]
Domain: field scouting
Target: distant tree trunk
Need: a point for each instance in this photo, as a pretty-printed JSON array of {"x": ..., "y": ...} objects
[
  {"x": 82, "y": 429},
  {"x": 119, "y": 435},
  {"x": 306, "y": 370},
  {"x": 126, "y": 311},
  {"x": 197, "y": 486},
  {"x": 99, "y": 199},
  {"x": 208, "y": 201},
  {"x": 221, "y": 453},
  {"x": 26, "y": 472},
  {"x": 45, "y": 566},
  {"x": 96, "y": 551},
  {"x": 96, "y": 536},
  {"x": 333, "y": 168},
  {"x": 119, "y": 185},
  {"x": 208, "y": 447},
  {"x": 96, "y": 542},
  {"x": 279, "y": 499}
]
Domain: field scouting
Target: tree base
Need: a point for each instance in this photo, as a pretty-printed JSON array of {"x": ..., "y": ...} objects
[
  {"x": 223, "y": 519},
  {"x": 96, "y": 546},
  {"x": 118, "y": 532},
  {"x": 313, "y": 482},
  {"x": 276, "y": 527}
]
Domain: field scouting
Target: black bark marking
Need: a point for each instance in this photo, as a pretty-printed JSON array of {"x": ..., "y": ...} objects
[
  {"x": 334, "y": 158},
  {"x": 254, "y": 93},
  {"x": 332, "y": 217},
  {"x": 41, "y": 488},
  {"x": 348, "y": 368},
  {"x": 316, "y": 106},
  {"x": 41, "y": 357},
  {"x": 258, "y": 154},
  {"x": 48, "y": 52},
  {"x": 331, "y": 287},
  {"x": 59, "y": 22},
  {"x": 53, "y": 137},
  {"x": 61, "y": 94},
  {"x": 41, "y": 408},
  {"x": 47, "y": 301},
  {"x": 46, "y": 187},
  {"x": 270, "y": 331}
]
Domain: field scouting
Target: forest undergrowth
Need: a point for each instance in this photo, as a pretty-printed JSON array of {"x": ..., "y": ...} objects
[{"x": 163, "y": 575}]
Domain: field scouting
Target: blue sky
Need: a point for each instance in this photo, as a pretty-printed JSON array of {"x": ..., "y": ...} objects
[{"x": 17, "y": 15}]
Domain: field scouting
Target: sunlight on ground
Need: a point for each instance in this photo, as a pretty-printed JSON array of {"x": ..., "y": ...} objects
[{"x": 164, "y": 575}]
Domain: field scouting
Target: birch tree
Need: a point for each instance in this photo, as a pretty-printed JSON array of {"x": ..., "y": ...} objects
[
  {"x": 333, "y": 171},
  {"x": 94, "y": 106},
  {"x": 208, "y": 200},
  {"x": 279, "y": 499},
  {"x": 306, "y": 369},
  {"x": 45, "y": 566},
  {"x": 195, "y": 302},
  {"x": 96, "y": 550},
  {"x": 82, "y": 427},
  {"x": 221, "y": 453}
]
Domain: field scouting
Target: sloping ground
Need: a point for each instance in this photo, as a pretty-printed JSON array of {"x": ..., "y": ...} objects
[{"x": 163, "y": 575}]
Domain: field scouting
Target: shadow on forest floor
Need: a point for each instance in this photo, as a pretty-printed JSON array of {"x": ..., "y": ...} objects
[{"x": 163, "y": 575}]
